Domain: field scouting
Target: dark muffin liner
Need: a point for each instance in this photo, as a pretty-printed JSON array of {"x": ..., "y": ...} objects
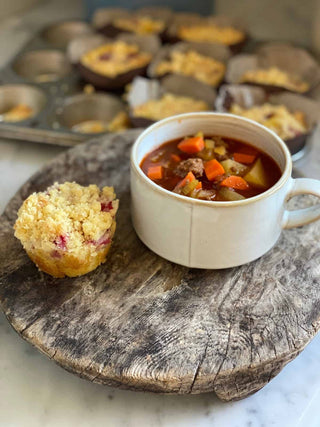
[
  {"x": 249, "y": 96},
  {"x": 213, "y": 50},
  {"x": 115, "y": 83},
  {"x": 143, "y": 90},
  {"x": 78, "y": 47},
  {"x": 140, "y": 122},
  {"x": 193, "y": 19},
  {"x": 288, "y": 58}
]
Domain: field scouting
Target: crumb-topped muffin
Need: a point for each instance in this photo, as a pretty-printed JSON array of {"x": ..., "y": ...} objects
[
  {"x": 67, "y": 230},
  {"x": 116, "y": 58},
  {"x": 169, "y": 105},
  {"x": 191, "y": 63},
  {"x": 210, "y": 33},
  {"x": 278, "y": 118},
  {"x": 275, "y": 77},
  {"x": 140, "y": 24},
  {"x": 17, "y": 113}
]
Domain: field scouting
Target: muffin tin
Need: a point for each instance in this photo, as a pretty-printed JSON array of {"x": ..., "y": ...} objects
[
  {"x": 47, "y": 76},
  {"x": 42, "y": 77}
]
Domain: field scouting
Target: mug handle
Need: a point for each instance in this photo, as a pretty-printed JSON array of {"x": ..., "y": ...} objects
[{"x": 304, "y": 216}]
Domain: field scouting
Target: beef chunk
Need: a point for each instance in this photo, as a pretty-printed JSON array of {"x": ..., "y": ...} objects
[
  {"x": 190, "y": 165},
  {"x": 221, "y": 157}
]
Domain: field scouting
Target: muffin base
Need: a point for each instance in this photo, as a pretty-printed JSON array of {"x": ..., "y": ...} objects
[{"x": 67, "y": 264}]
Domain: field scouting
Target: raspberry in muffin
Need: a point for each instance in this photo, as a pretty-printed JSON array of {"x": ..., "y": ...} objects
[{"x": 67, "y": 230}]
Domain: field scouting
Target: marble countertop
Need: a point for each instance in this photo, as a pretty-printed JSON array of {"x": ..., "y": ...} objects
[{"x": 34, "y": 392}]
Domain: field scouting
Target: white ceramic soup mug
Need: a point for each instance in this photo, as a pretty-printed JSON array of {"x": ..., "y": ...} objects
[{"x": 207, "y": 234}]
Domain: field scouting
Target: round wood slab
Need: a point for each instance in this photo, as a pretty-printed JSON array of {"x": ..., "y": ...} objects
[{"x": 140, "y": 322}]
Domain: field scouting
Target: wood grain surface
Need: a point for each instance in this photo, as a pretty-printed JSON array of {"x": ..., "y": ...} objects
[{"x": 143, "y": 323}]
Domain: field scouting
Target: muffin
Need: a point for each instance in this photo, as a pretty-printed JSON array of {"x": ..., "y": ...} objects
[
  {"x": 67, "y": 230},
  {"x": 273, "y": 76},
  {"x": 113, "y": 59},
  {"x": 278, "y": 118},
  {"x": 191, "y": 63},
  {"x": 168, "y": 105},
  {"x": 140, "y": 24},
  {"x": 210, "y": 33}
]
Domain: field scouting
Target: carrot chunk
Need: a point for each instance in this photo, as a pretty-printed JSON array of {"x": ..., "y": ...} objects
[
  {"x": 235, "y": 182},
  {"x": 213, "y": 169},
  {"x": 192, "y": 145},
  {"x": 175, "y": 158},
  {"x": 155, "y": 172},
  {"x": 188, "y": 178},
  {"x": 244, "y": 158},
  {"x": 199, "y": 185}
]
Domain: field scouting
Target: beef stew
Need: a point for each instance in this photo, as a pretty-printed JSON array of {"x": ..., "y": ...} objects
[{"x": 211, "y": 168}]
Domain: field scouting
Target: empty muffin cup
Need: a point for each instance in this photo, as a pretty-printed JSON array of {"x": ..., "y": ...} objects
[
  {"x": 61, "y": 33},
  {"x": 20, "y": 102},
  {"x": 92, "y": 113},
  {"x": 42, "y": 66}
]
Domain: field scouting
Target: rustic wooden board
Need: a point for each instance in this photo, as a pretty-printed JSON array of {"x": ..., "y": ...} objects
[{"x": 143, "y": 323}]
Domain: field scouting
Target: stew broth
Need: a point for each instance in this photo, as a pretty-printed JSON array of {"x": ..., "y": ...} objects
[{"x": 211, "y": 168}]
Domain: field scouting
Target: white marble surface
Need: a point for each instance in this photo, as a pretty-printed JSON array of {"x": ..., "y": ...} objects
[{"x": 34, "y": 392}]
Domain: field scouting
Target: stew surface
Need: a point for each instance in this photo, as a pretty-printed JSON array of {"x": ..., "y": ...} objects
[{"x": 211, "y": 168}]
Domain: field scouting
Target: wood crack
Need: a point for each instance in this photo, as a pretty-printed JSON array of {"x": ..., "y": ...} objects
[
  {"x": 225, "y": 354},
  {"x": 197, "y": 371}
]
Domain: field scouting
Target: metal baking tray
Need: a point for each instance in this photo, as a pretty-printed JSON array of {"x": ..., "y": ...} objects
[{"x": 41, "y": 74}]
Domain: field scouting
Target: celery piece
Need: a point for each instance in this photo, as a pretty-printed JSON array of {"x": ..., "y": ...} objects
[
  {"x": 209, "y": 144},
  {"x": 232, "y": 167},
  {"x": 189, "y": 187},
  {"x": 206, "y": 154}
]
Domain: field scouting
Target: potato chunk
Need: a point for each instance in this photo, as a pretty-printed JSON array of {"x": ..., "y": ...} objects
[
  {"x": 257, "y": 175},
  {"x": 221, "y": 150}
]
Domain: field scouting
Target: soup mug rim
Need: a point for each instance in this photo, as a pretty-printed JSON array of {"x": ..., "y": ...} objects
[{"x": 285, "y": 173}]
